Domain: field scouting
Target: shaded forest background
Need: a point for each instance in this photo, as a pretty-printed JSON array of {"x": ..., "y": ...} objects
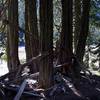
[{"x": 54, "y": 32}]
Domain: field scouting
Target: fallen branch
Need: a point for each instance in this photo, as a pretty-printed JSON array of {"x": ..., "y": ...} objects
[
  {"x": 34, "y": 76},
  {"x": 72, "y": 87},
  {"x": 61, "y": 65},
  {"x": 22, "y": 87},
  {"x": 15, "y": 89},
  {"x": 39, "y": 57}
]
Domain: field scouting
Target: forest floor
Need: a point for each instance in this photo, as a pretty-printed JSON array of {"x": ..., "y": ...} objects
[{"x": 87, "y": 88}]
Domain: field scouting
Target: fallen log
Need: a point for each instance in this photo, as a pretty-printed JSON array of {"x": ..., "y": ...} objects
[
  {"x": 14, "y": 89},
  {"x": 22, "y": 87}
]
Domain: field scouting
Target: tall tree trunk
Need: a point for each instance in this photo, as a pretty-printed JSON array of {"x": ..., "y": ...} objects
[
  {"x": 77, "y": 21},
  {"x": 34, "y": 36},
  {"x": 83, "y": 30},
  {"x": 13, "y": 35},
  {"x": 66, "y": 34},
  {"x": 46, "y": 35},
  {"x": 31, "y": 35},
  {"x": 27, "y": 33}
]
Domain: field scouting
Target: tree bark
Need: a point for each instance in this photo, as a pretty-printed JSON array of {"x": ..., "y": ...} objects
[
  {"x": 46, "y": 35},
  {"x": 34, "y": 36},
  {"x": 66, "y": 34},
  {"x": 13, "y": 35},
  {"x": 27, "y": 33},
  {"x": 83, "y": 30},
  {"x": 77, "y": 22},
  {"x": 31, "y": 35}
]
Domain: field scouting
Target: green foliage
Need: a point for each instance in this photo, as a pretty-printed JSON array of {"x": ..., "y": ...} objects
[
  {"x": 57, "y": 15},
  {"x": 94, "y": 36},
  {"x": 95, "y": 13},
  {"x": 4, "y": 57}
]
